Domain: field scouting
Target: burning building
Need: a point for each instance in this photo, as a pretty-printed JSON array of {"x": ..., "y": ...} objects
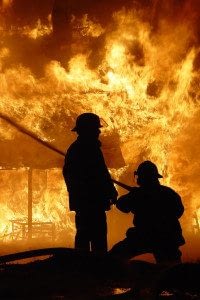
[{"x": 134, "y": 63}]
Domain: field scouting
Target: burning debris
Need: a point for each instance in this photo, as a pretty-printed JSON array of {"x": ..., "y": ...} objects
[{"x": 134, "y": 63}]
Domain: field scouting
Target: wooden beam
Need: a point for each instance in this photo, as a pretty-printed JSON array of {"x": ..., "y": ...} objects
[{"x": 30, "y": 202}]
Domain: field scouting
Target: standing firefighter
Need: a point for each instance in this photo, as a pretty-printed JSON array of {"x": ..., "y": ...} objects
[
  {"x": 156, "y": 210},
  {"x": 91, "y": 191}
]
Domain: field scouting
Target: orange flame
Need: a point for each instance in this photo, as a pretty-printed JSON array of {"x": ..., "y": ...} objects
[{"x": 142, "y": 83}]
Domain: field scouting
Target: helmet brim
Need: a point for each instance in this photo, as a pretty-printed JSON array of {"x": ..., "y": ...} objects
[
  {"x": 75, "y": 128},
  {"x": 157, "y": 175}
]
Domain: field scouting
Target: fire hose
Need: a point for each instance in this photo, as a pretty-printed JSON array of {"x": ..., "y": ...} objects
[
  {"x": 25, "y": 131},
  {"x": 36, "y": 253}
]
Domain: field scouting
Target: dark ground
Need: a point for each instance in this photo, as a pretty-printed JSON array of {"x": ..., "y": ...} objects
[{"x": 63, "y": 273}]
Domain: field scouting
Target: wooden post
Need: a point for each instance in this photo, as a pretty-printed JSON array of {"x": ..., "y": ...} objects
[
  {"x": 197, "y": 226},
  {"x": 30, "y": 202}
]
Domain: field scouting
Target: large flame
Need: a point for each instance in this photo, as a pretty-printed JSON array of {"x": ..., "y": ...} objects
[{"x": 141, "y": 77}]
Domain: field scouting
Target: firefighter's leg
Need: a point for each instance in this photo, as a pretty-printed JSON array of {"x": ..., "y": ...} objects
[
  {"x": 134, "y": 244},
  {"x": 122, "y": 249},
  {"x": 168, "y": 255},
  {"x": 82, "y": 239},
  {"x": 99, "y": 232}
]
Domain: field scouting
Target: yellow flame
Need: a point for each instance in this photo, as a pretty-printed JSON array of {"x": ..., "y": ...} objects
[
  {"x": 142, "y": 86},
  {"x": 38, "y": 31},
  {"x": 90, "y": 28}
]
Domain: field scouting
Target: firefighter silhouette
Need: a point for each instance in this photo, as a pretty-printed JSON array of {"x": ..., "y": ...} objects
[
  {"x": 156, "y": 210},
  {"x": 91, "y": 191}
]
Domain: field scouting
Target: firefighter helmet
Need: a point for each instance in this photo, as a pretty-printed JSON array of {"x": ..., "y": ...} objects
[
  {"x": 87, "y": 121},
  {"x": 147, "y": 168}
]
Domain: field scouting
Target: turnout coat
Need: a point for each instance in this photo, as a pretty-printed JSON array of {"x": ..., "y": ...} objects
[
  {"x": 156, "y": 212},
  {"x": 87, "y": 178}
]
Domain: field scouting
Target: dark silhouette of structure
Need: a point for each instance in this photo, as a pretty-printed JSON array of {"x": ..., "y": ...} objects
[
  {"x": 91, "y": 191},
  {"x": 156, "y": 210}
]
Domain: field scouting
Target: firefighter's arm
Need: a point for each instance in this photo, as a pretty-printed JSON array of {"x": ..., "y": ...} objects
[
  {"x": 124, "y": 203},
  {"x": 178, "y": 207}
]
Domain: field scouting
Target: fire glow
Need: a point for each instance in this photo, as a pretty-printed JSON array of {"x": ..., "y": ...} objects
[{"x": 142, "y": 79}]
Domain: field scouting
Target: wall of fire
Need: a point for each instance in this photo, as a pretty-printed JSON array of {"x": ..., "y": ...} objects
[{"x": 134, "y": 63}]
